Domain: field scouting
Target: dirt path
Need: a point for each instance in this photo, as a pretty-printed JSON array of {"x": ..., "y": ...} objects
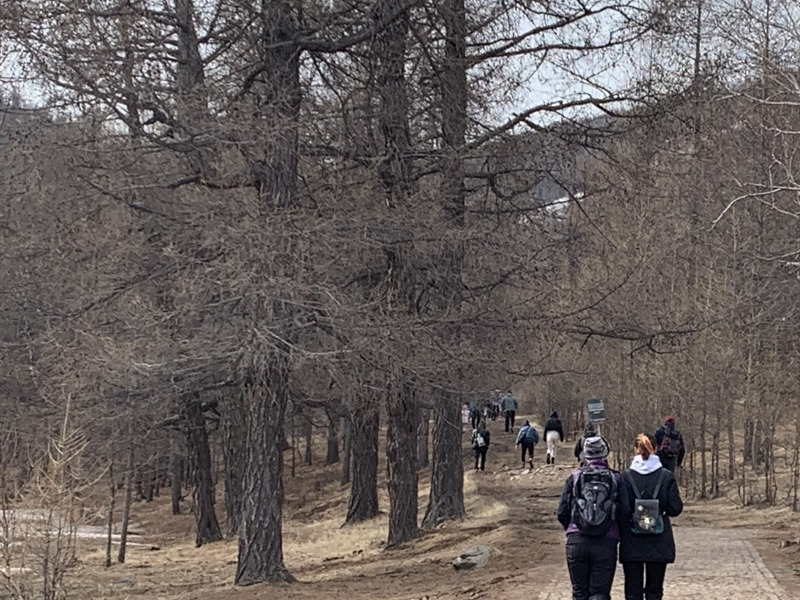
[{"x": 714, "y": 562}]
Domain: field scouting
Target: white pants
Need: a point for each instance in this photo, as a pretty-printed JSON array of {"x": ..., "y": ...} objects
[{"x": 552, "y": 440}]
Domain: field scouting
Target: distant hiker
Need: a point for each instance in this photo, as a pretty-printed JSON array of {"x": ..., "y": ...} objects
[
  {"x": 588, "y": 509},
  {"x": 509, "y": 406},
  {"x": 647, "y": 545},
  {"x": 527, "y": 437},
  {"x": 669, "y": 445},
  {"x": 587, "y": 433},
  {"x": 496, "y": 401},
  {"x": 553, "y": 434},
  {"x": 464, "y": 417},
  {"x": 480, "y": 444},
  {"x": 474, "y": 414}
]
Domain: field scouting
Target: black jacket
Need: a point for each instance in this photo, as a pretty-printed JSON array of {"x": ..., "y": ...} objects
[
  {"x": 554, "y": 424},
  {"x": 650, "y": 548},
  {"x": 659, "y": 437}
]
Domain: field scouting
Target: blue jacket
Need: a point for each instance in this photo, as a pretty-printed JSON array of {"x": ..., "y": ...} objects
[{"x": 528, "y": 434}]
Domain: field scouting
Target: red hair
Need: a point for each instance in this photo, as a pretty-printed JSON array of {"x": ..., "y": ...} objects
[{"x": 643, "y": 446}]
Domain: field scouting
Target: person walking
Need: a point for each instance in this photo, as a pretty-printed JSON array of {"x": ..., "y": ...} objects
[
  {"x": 509, "y": 406},
  {"x": 474, "y": 414},
  {"x": 587, "y": 433},
  {"x": 527, "y": 437},
  {"x": 587, "y": 510},
  {"x": 553, "y": 434},
  {"x": 647, "y": 544},
  {"x": 669, "y": 445},
  {"x": 480, "y": 445}
]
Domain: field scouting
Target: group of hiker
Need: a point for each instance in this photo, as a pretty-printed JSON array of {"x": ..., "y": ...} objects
[{"x": 610, "y": 516}]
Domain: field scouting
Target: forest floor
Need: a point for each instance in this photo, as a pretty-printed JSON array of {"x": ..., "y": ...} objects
[{"x": 724, "y": 552}]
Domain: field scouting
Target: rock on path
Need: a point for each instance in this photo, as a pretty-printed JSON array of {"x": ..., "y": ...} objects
[{"x": 712, "y": 564}]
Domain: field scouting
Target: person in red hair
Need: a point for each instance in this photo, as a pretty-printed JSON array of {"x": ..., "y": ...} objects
[{"x": 669, "y": 445}]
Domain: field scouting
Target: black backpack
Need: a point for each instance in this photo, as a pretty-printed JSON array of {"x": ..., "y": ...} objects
[
  {"x": 671, "y": 443},
  {"x": 594, "y": 500},
  {"x": 647, "y": 518}
]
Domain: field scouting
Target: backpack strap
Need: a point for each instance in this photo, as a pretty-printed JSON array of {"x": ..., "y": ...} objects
[
  {"x": 658, "y": 483},
  {"x": 629, "y": 477}
]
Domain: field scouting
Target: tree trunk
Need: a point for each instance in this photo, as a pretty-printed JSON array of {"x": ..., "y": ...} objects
[
  {"x": 260, "y": 540},
  {"x": 176, "y": 486},
  {"x": 422, "y": 437},
  {"x": 447, "y": 479},
  {"x": 347, "y": 446},
  {"x": 364, "y": 430},
  {"x": 126, "y": 508},
  {"x": 332, "y": 454},
  {"x": 401, "y": 454},
  {"x": 110, "y": 520},
  {"x": 234, "y": 449},
  {"x": 308, "y": 426},
  {"x": 203, "y": 495}
]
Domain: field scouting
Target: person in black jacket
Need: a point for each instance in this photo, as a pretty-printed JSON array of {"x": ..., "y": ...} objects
[
  {"x": 480, "y": 445},
  {"x": 553, "y": 434},
  {"x": 645, "y": 556},
  {"x": 669, "y": 445}
]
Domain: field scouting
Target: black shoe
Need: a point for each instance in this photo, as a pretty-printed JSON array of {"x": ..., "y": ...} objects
[{"x": 530, "y": 462}]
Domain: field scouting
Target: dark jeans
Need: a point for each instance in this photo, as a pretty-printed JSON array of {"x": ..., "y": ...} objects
[
  {"x": 591, "y": 570},
  {"x": 526, "y": 447},
  {"x": 480, "y": 456},
  {"x": 475, "y": 419},
  {"x": 510, "y": 414},
  {"x": 668, "y": 462},
  {"x": 637, "y": 573}
]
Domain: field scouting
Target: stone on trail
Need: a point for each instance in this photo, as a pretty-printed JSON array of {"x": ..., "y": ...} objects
[{"x": 475, "y": 556}]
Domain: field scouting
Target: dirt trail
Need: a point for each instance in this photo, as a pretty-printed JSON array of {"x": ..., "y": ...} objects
[{"x": 714, "y": 562}]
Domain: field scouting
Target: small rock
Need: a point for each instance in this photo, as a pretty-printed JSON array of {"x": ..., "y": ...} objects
[{"x": 475, "y": 556}]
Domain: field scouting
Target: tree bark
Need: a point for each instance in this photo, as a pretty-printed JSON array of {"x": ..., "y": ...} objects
[
  {"x": 364, "y": 430},
  {"x": 347, "y": 446},
  {"x": 308, "y": 426},
  {"x": 401, "y": 452},
  {"x": 176, "y": 485},
  {"x": 446, "y": 499},
  {"x": 203, "y": 495},
  {"x": 126, "y": 508},
  {"x": 260, "y": 540},
  {"x": 234, "y": 448},
  {"x": 332, "y": 454},
  {"x": 423, "y": 432}
]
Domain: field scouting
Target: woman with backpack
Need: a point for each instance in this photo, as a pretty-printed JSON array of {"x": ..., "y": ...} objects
[
  {"x": 647, "y": 545},
  {"x": 527, "y": 437},
  {"x": 480, "y": 444},
  {"x": 588, "y": 509}
]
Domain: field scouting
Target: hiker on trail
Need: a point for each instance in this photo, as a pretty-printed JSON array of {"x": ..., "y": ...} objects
[
  {"x": 587, "y": 433},
  {"x": 464, "y": 417},
  {"x": 474, "y": 414},
  {"x": 527, "y": 437},
  {"x": 553, "y": 434},
  {"x": 669, "y": 445},
  {"x": 496, "y": 402},
  {"x": 588, "y": 509},
  {"x": 480, "y": 444},
  {"x": 509, "y": 406},
  {"x": 647, "y": 545}
]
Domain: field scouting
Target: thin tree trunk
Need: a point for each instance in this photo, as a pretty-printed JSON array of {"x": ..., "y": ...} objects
[
  {"x": 234, "y": 449},
  {"x": 110, "y": 520},
  {"x": 207, "y": 527},
  {"x": 332, "y": 453},
  {"x": 177, "y": 467},
  {"x": 364, "y": 432},
  {"x": 422, "y": 437},
  {"x": 347, "y": 447},
  {"x": 447, "y": 477},
  {"x": 401, "y": 454},
  {"x": 308, "y": 426},
  {"x": 126, "y": 509}
]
